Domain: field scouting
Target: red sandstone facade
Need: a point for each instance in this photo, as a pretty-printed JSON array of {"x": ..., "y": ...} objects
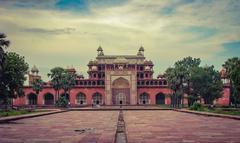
[{"x": 113, "y": 80}]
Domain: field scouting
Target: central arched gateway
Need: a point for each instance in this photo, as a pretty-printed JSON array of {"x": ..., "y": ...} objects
[{"x": 120, "y": 91}]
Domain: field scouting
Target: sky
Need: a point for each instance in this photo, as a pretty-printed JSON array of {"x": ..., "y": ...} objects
[{"x": 67, "y": 33}]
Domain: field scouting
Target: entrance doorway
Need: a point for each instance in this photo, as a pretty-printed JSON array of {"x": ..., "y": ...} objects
[
  {"x": 144, "y": 98},
  {"x": 32, "y": 99},
  {"x": 121, "y": 99},
  {"x": 48, "y": 99},
  {"x": 120, "y": 91},
  {"x": 160, "y": 98},
  {"x": 97, "y": 98}
]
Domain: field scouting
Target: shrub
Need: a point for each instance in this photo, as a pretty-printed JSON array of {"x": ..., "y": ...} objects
[
  {"x": 196, "y": 106},
  {"x": 62, "y": 102}
]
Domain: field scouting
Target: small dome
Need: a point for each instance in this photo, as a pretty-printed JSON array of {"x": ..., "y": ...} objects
[
  {"x": 90, "y": 63},
  {"x": 94, "y": 68},
  {"x": 80, "y": 76},
  {"x": 95, "y": 62},
  {"x": 161, "y": 76},
  {"x": 141, "y": 49},
  {"x": 148, "y": 62},
  {"x": 139, "y": 53},
  {"x": 71, "y": 70},
  {"x": 99, "y": 48},
  {"x": 34, "y": 69}
]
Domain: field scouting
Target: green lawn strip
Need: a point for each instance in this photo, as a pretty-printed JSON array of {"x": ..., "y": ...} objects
[
  {"x": 163, "y": 106},
  {"x": 19, "y": 112},
  {"x": 231, "y": 111}
]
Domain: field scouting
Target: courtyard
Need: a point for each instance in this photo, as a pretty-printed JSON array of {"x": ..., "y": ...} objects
[{"x": 142, "y": 126}]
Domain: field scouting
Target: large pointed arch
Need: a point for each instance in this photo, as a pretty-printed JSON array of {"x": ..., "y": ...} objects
[
  {"x": 97, "y": 98},
  {"x": 144, "y": 98},
  {"x": 81, "y": 98},
  {"x": 48, "y": 99},
  {"x": 32, "y": 99},
  {"x": 160, "y": 98},
  {"x": 120, "y": 83}
]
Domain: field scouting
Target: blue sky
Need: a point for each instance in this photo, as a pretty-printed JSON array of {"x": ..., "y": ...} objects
[{"x": 67, "y": 32}]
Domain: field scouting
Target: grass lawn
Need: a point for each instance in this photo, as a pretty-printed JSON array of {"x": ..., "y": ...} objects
[
  {"x": 18, "y": 112},
  {"x": 227, "y": 111},
  {"x": 164, "y": 106},
  {"x": 231, "y": 111}
]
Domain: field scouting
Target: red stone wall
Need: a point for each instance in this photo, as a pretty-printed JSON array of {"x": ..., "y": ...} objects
[
  {"x": 153, "y": 92},
  {"x": 225, "y": 98},
  {"x": 89, "y": 91},
  {"x": 73, "y": 93}
]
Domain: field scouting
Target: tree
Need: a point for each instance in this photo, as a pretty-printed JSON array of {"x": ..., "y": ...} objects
[
  {"x": 56, "y": 75},
  {"x": 185, "y": 67},
  {"x": 206, "y": 83},
  {"x": 3, "y": 45},
  {"x": 232, "y": 67},
  {"x": 178, "y": 78},
  {"x": 13, "y": 78},
  {"x": 172, "y": 83},
  {"x": 37, "y": 85},
  {"x": 68, "y": 82}
]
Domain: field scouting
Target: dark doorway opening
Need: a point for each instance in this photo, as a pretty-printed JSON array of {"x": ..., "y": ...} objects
[
  {"x": 32, "y": 99},
  {"x": 160, "y": 98},
  {"x": 48, "y": 99},
  {"x": 144, "y": 102}
]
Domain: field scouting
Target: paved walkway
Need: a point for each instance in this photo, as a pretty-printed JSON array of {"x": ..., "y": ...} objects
[
  {"x": 152, "y": 126},
  {"x": 74, "y": 126},
  {"x": 175, "y": 127}
]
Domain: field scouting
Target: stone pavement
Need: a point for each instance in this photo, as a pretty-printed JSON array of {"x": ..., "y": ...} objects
[
  {"x": 73, "y": 126},
  {"x": 142, "y": 126},
  {"x": 175, "y": 127}
]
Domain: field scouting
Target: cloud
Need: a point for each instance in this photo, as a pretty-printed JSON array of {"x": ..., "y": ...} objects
[
  {"x": 200, "y": 32},
  {"x": 231, "y": 49},
  {"x": 50, "y": 31},
  {"x": 65, "y": 33}
]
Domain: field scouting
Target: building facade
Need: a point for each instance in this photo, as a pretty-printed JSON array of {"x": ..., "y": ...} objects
[{"x": 112, "y": 80}]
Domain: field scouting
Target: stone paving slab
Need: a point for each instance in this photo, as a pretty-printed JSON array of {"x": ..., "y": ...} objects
[
  {"x": 175, "y": 127},
  {"x": 117, "y": 108},
  {"x": 99, "y": 127}
]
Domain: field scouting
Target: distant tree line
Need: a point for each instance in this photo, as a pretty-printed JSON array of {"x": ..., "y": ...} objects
[{"x": 188, "y": 80}]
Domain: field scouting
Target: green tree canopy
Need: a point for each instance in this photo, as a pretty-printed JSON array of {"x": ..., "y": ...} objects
[
  {"x": 3, "y": 45},
  {"x": 206, "y": 83},
  {"x": 68, "y": 81},
  {"x": 178, "y": 77},
  {"x": 37, "y": 85},
  {"x": 13, "y": 78},
  {"x": 232, "y": 67},
  {"x": 56, "y": 74}
]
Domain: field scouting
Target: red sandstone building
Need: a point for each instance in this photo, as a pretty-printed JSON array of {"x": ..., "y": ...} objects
[{"x": 113, "y": 80}]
